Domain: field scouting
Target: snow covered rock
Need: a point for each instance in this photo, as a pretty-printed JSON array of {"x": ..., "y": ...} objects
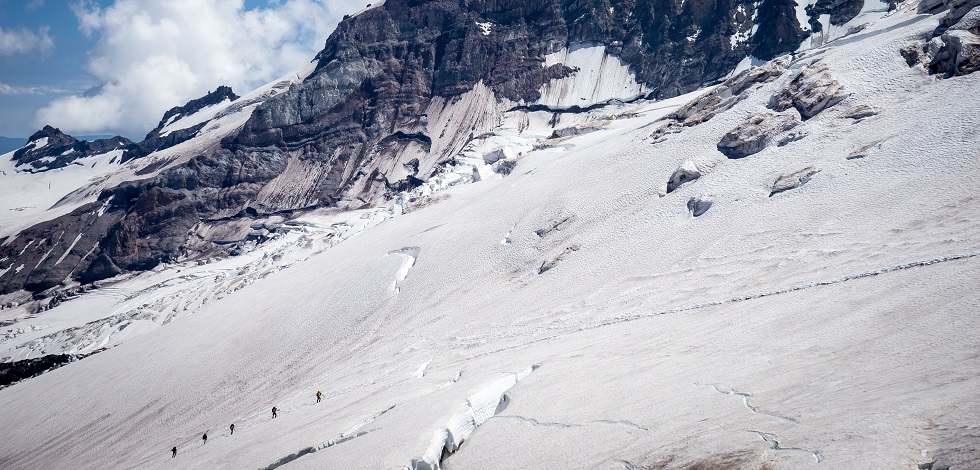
[
  {"x": 812, "y": 91},
  {"x": 181, "y": 123},
  {"x": 697, "y": 206},
  {"x": 792, "y": 181},
  {"x": 49, "y": 148},
  {"x": 954, "y": 47},
  {"x": 175, "y": 114},
  {"x": 755, "y": 134},
  {"x": 684, "y": 174},
  {"x": 720, "y": 99}
]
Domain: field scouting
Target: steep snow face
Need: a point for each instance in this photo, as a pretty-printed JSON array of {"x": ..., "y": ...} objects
[
  {"x": 824, "y": 325},
  {"x": 205, "y": 114},
  {"x": 27, "y": 198},
  {"x": 599, "y": 77}
]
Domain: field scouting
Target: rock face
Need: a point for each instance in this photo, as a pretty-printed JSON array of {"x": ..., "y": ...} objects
[
  {"x": 396, "y": 90},
  {"x": 954, "y": 47},
  {"x": 840, "y": 11},
  {"x": 49, "y": 148}
]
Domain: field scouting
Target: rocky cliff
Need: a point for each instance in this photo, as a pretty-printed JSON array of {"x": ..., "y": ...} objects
[{"x": 398, "y": 89}]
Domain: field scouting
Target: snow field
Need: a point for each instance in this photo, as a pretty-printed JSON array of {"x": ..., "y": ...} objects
[{"x": 831, "y": 325}]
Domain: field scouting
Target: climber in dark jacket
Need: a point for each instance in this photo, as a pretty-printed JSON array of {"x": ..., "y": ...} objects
[
  {"x": 174, "y": 450},
  {"x": 205, "y": 438},
  {"x": 274, "y": 409}
]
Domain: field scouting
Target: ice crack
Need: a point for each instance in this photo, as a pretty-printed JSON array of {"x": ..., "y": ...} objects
[
  {"x": 774, "y": 445},
  {"x": 352, "y": 433},
  {"x": 482, "y": 406},
  {"x": 745, "y": 401},
  {"x": 534, "y": 422}
]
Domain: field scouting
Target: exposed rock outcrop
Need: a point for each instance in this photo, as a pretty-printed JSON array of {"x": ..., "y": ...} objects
[
  {"x": 840, "y": 11},
  {"x": 219, "y": 95},
  {"x": 792, "y": 181},
  {"x": 684, "y": 174},
  {"x": 49, "y": 148},
  {"x": 954, "y": 47},
  {"x": 755, "y": 134},
  {"x": 697, "y": 206},
  {"x": 722, "y": 98},
  {"x": 810, "y": 92}
]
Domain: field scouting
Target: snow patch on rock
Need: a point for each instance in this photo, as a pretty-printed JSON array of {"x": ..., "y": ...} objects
[{"x": 599, "y": 77}]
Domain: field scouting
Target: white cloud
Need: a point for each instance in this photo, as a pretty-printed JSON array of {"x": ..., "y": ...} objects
[
  {"x": 153, "y": 55},
  {"x": 23, "y": 40},
  {"x": 6, "y": 89}
]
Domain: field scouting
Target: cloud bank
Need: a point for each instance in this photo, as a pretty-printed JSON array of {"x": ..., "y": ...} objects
[
  {"x": 23, "y": 40},
  {"x": 9, "y": 90},
  {"x": 154, "y": 55}
]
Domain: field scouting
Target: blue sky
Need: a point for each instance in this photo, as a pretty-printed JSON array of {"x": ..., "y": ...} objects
[
  {"x": 114, "y": 66},
  {"x": 57, "y": 68}
]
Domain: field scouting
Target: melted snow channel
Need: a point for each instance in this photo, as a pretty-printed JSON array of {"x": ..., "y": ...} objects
[{"x": 600, "y": 78}]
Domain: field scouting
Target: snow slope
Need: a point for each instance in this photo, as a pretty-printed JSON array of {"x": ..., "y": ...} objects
[{"x": 574, "y": 314}]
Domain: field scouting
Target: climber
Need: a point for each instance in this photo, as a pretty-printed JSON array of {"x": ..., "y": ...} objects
[{"x": 318, "y": 395}]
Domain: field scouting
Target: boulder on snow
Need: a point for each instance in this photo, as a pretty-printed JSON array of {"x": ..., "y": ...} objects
[
  {"x": 962, "y": 53},
  {"x": 861, "y": 112},
  {"x": 697, "y": 206},
  {"x": 811, "y": 92},
  {"x": 755, "y": 134},
  {"x": 793, "y": 180},
  {"x": 684, "y": 174}
]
